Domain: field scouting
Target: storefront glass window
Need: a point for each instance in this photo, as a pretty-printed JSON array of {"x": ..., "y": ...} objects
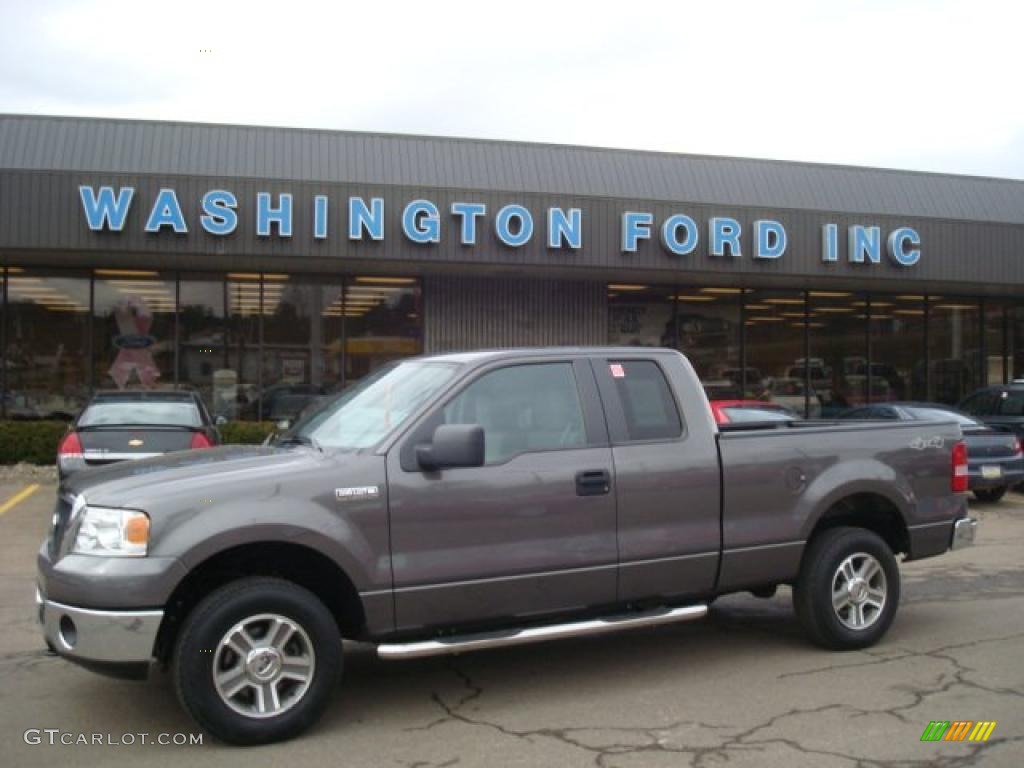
[
  {"x": 331, "y": 359},
  {"x": 292, "y": 345},
  {"x": 998, "y": 334},
  {"x": 3, "y": 342},
  {"x": 383, "y": 322},
  {"x": 46, "y": 351},
  {"x": 954, "y": 348},
  {"x": 897, "y": 348},
  {"x": 202, "y": 352},
  {"x": 708, "y": 333},
  {"x": 133, "y": 329},
  {"x": 837, "y": 328},
  {"x": 640, "y": 315},
  {"x": 1015, "y": 342},
  {"x": 247, "y": 300},
  {"x": 774, "y": 327}
]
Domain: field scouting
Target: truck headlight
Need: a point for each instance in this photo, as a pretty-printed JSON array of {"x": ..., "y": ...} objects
[{"x": 112, "y": 532}]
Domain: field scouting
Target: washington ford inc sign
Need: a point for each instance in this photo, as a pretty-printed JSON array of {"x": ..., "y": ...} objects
[{"x": 514, "y": 225}]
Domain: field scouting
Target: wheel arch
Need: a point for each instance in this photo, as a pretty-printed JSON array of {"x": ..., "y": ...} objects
[
  {"x": 868, "y": 509},
  {"x": 297, "y": 563}
]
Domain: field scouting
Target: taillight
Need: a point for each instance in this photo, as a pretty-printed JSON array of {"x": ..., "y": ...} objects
[
  {"x": 199, "y": 440},
  {"x": 1020, "y": 446},
  {"x": 70, "y": 445},
  {"x": 960, "y": 467}
]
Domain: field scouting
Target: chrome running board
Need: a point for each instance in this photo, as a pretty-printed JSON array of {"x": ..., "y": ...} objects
[{"x": 503, "y": 638}]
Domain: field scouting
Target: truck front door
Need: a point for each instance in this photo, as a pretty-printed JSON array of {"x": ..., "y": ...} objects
[{"x": 531, "y": 532}]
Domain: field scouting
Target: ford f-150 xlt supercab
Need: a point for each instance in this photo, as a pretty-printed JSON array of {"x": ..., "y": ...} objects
[{"x": 469, "y": 501}]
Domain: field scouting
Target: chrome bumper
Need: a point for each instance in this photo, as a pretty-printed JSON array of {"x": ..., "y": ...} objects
[
  {"x": 963, "y": 532},
  {"x": 99, "y": 636}
]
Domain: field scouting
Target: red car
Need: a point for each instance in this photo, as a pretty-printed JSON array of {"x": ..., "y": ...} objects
[{"x": 738, "y": 411}]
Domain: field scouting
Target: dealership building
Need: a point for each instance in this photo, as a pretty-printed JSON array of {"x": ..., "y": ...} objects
[{"x": 260, "y": 265}]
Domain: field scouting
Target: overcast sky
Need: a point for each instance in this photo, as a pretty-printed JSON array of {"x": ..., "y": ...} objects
[{"x": 918, "y": 84}]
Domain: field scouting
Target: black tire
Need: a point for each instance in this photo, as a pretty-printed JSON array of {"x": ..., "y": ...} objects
[
  {"x": 819, "y": 572},
  {"x": 990, "y": 495},
  {"x": 196, "y": 656}
]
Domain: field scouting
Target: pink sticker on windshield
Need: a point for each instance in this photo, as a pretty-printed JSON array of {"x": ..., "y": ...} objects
[{"x": 617, "y": 371}]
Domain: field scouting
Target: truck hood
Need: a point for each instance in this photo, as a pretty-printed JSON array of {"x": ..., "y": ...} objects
[{"x": 132, "y": 483}]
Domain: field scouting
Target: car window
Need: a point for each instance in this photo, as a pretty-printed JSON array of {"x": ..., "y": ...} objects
[
  {"x": 1012, "y": 404},
  {"x": 522, "y": 408},
  {"x": 981, "y": 404},
  {"x": 741, "y": 414},
  {"x": 647, "y": 403},
  {"x": 108, "y": 414}
]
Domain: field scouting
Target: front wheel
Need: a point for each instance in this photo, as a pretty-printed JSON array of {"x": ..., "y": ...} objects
[
  {"x": 848, "y": 589},
  {"x": 990, "y": 495},
  {"x": 257, "y": 661}
]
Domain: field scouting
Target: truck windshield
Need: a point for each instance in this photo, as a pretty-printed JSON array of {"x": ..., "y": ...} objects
[{"x": 366, "y": 412}]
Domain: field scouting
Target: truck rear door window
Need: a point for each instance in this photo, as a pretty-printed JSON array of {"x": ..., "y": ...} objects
[{"x": 648, "y": 406}]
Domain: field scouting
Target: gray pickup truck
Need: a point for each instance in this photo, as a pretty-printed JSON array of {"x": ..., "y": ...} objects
[{"x": 469, "y": 501}]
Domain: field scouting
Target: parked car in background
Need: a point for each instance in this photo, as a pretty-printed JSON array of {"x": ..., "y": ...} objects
[
  {"x": 281, "y": 402},
  {"x": 995, "y": 457},
  {"x": 854, "y": 387},
  {"x": 124, "y": 426},
  {"x": 999, "y": 406},
  {"x": 721, "y": 389},
  {"x": 747, "y": 411},
  {"x": 790, "y": 392},
  {"x": 750, "y": 386}
]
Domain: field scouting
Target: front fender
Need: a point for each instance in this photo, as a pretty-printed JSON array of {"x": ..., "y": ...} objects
[{"x": 354, "y": 538}]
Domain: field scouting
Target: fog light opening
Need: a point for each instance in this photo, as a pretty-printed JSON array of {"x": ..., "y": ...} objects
[{"x": 68, "y": 632}]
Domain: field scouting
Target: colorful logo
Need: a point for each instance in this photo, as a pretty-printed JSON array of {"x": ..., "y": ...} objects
[{"x": 958, "y": 730}]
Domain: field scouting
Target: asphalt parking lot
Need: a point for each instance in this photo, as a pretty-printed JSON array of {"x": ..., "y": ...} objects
[{"x": 741, "y": 688}]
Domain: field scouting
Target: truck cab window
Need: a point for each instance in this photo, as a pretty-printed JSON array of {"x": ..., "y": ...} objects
[
  {"x": 647, "y": 403},
  {"x": 522, "y": 408}
]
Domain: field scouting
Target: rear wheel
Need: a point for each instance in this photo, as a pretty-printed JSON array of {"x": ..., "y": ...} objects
[
  {"x": 848, "y": 589},
  {"x": 990, "y": 495},
  {"x": 257, "y": 661}
]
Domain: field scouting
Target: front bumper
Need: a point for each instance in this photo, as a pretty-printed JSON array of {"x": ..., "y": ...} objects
[{"x": 99, "y": 636}]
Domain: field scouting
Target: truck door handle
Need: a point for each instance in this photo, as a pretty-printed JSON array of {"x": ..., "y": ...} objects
[{"x": 593, "y": 482}]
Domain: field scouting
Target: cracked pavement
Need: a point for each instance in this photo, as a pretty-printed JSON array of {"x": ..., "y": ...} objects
[{"x": 740, "y": 688}]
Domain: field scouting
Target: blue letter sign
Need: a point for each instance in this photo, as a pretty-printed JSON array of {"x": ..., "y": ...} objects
[
  {"x": 281, "y": 215},
  {"x": 166, "y": 213},
  {"x": 771, "y": 239},
  {"x": 103, "y": 210},
  {"x": 219, "y": 217},
  {"x": 897, "y": 246}
]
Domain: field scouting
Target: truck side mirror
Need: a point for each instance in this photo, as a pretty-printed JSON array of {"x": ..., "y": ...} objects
[{"x": 453, "y": 445}]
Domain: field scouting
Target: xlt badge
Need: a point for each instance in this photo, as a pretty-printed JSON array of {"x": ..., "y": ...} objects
[{"x": 357, "y": 492}]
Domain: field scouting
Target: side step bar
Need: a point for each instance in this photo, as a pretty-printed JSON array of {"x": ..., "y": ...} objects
[{"x": 503, "y": 638}]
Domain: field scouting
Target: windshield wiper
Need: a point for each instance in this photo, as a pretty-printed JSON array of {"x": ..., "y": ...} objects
[{"x": 300, "y": 440}]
